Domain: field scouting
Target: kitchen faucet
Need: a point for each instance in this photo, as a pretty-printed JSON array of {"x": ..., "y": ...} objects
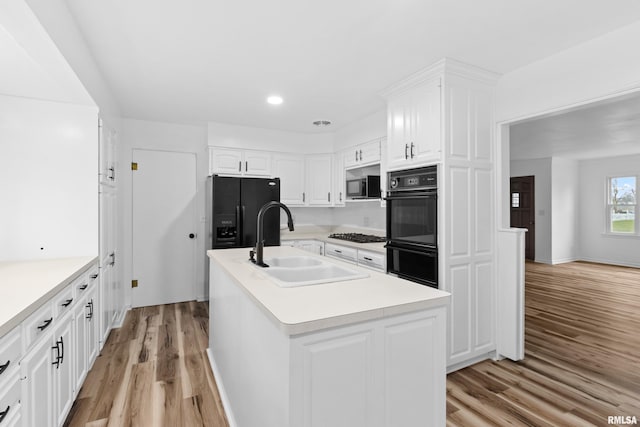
[{"x": 259, "y": 249}]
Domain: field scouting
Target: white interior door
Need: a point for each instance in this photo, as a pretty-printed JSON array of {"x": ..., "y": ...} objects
[{"x": 164, "y": 217}]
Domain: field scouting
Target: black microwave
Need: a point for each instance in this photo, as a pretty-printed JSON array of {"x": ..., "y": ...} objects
[{"x": 363, "y": 188}]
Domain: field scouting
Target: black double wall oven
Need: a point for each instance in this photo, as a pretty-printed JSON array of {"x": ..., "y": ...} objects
[{"x": 412, "y": 225}]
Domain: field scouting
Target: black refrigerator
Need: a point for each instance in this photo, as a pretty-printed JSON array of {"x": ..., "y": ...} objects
[{"x": 232, "y": 207}]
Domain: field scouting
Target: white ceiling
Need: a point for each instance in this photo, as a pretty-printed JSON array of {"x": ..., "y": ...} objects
[
  {"x": 209, "y": 60},
  {"x": 604, "y": 129}
]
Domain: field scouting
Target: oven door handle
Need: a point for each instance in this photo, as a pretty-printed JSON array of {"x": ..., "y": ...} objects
[
  {"x": 407, "y": 195},
  {"x": 427, "y": 251}
]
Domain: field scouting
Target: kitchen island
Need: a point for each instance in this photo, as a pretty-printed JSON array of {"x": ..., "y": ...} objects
[{"x": 367, "y": 352}]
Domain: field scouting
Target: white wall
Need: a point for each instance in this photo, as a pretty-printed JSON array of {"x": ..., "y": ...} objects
[
  {"x": 367, "y": 129},
  {"x": 595, "y": 245},
  {"x": 170, "y": 137},
  {"x": 541, "y": 170},
  {"x": 48, "y": 179},
  {"x": 565, "y": 215}
]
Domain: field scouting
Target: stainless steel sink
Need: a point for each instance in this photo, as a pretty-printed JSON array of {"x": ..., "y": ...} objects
[{"x": 288, "y": 272}]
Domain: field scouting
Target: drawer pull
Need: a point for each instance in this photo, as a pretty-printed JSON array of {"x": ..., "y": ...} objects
[
  {"x": 4, "y": 413},
  {"x": 367, "y": 258},
  {"x": 337, "y": 251},
  {"x": 90, "y": 307},
  {"x": 4, "y": 367},
  {"x": 83, "y": 287},
  {"x": 67, "y": 303},
  {"x": 94, "y": 276},
  {"x": 45, "y": 324}
]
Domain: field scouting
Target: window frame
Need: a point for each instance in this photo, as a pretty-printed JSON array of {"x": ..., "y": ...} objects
[{"x": 609, "y": 206}]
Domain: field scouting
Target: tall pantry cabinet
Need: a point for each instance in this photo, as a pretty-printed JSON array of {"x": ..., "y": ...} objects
[
  {"x": 444, "y": 115},
  {"x": 111, "y": 287}
]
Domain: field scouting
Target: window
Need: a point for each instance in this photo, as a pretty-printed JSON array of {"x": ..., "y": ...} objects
[{"x": 621, "y": 205}]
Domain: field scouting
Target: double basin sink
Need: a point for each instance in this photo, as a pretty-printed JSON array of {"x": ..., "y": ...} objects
[{"x": 292, "y": 271}]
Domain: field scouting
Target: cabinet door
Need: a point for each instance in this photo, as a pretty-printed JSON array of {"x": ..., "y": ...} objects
[
  {"x": 105, "y": 310},
  {"x": 257, "y": 163},
  {"x": 290, "y": 170},
  {"x": 10, "y": 398},
  {"x": 425, "y": 140},
  {"x": 319, "y": 180},
  {"x": 399, "y": 123},
  {"x": 226, "y": 161},
  {"x": 369, "y": 153},
  {"x": 63, "y": 381},
  {"x": 37, "y": 391},
  {"x": 339, "y": 182},
  {"x": 80, "y": 353},
  {"x": 93, "y": 326}
]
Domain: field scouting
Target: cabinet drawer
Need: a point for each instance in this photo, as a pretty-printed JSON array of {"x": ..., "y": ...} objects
[
  {"x": 10, "y": 353},
  {"x": 38, "y": 324},
  {"x": 63, "y": 302},
  {"x": 343, "y": 252},
  {"x": 371, "y": 259},
  {"x": 10, "y": 396}
]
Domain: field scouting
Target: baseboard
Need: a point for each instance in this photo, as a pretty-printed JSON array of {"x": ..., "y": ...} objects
[
  {"x": 202, "y": 298},
  {"x": 472, "y": 361},
  {"x": 610, "y": 262},
  {"x": 221, "y": 390},
  {"x": 563, "y": 260}
]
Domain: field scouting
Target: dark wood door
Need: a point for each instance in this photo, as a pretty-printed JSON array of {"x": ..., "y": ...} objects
[{"x": 523, "y": 213}]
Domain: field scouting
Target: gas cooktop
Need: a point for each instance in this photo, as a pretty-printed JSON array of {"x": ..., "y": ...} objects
[{"x": 358, "y": 237}]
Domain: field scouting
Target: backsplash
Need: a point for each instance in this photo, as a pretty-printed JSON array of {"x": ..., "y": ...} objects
[{"x": 360, "y": 214}]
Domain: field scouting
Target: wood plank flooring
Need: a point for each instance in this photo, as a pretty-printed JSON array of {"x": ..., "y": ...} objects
[
  {"x": 153, "y": 371},
  {"x": 582, "y": 362},
  {"x": 582, "y": 354}
]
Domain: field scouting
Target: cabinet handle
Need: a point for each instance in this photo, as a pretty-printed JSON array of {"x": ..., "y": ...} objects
[
  {"x": 356, "y": 155},
  {"x": 83, "y": 287},
  {"x": 360, "y": 155},
  {"x": 337, "y": 251},
  {"x": 46, "y": 324},
  {"x": 59, "y": 356},
  {"x": 4, "y": 413},
  {"x": 113, "y": 258},
  {"x": 329, "y": 197},
  {"x": 303, "y": 197},
  {"x": 367, "y": 258},
  {"x": 246, "y": 166},
  {"x": 94, "y": 276},
  {"x": 406, "y": 154},
  {"x": 90, "y": 307},
  {"x": 341, "y": 196},
  {"x": 112, "y": 176},
  {"x": 412, "y": 150},
  {"x": 67, "y": 303},
  {"x": 4, "y": 367},
  {"x": 240, "y": 166}
]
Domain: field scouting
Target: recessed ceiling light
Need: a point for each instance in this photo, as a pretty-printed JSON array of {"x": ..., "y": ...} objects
[
  {"x": 274, "y": 100},
  {"x": 322, "y": 123}
]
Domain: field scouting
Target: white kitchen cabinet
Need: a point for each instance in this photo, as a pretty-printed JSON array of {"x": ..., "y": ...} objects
[
  {"x": 237, "y": 162},
  {"x": 344, "y": 253},
  {"x": 290, "y": 169},
  {"x": 37, "y": 386},
  {"x": 339, "y": 181},
  {"x": 111, "y": 291},
  {"x": 361, "y": 155},
  {"x": 414, "y": 127},
  {"x": 107, "y": 153},
  {"x": 319, "y": 179},
  {"x": 454, "y": 127},
  {"x": 373, "y": 260},
  {"x": 10, "y": 399},
  {"x": 63, "y": 368}
]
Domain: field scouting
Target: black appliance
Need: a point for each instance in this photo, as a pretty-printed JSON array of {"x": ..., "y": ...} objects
[
  {"x": 363, "y": 188},
  {"x": 358, "y": 237},
  {"x": 412, "y": 225},
  {"x": 232, "y": 211}
]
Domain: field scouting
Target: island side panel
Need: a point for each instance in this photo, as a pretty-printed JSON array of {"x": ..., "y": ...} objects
[
  {"x": 383, "y": 373},
  {"x": 251, "y": 356}
]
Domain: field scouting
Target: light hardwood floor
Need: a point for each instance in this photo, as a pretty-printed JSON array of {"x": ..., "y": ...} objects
[{"x": 582, "y": 361}]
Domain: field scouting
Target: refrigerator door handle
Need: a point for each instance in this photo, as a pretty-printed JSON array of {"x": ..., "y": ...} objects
[
  {"x": 238, "y": 226},
  {"x": 241, "y": 227}
]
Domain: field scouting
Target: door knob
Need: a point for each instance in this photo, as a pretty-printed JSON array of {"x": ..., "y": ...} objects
[{"x": 192, "y": 235}]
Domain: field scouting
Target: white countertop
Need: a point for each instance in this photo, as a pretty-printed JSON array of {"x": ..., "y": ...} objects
[
  {"x": 26, "y": 285},
  {"x": 322, "y": 233},
  {"x": 309, "y": 308}
]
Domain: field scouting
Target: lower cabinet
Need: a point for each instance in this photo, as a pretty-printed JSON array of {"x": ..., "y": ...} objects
[
  {"x": 62, "y": 367},
  {"x": 10, "y": 397},
  {"x": 37, "y": 373}
]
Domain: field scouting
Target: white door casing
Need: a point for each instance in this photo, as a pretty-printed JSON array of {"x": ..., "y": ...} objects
[{"x": 163, "y": 217}]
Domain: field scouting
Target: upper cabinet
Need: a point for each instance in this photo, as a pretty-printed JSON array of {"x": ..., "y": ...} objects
[
  {"x": 108, "y": 154},
  {"x": 362, "y": 154},
  {"x": 290, "y": 169},
  {"x": 413, "y": 126},
  {"x": 237, "y": 162},
  {"x": 319, "y": 183}
]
